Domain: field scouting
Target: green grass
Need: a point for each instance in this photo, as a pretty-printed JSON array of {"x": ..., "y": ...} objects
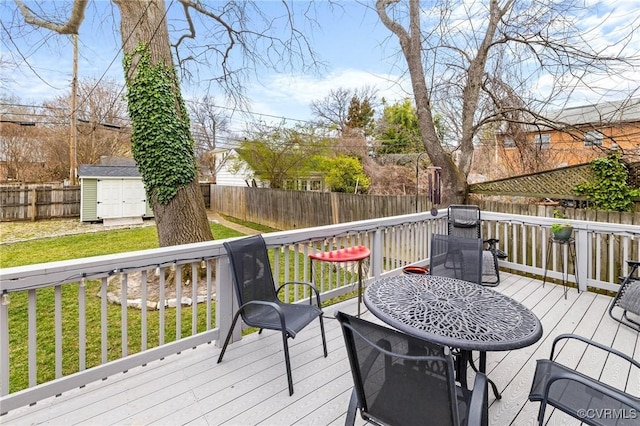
[
  {"x": 74, "y": 247},
  {"x": 90, "y": 244},
  {"x": 256, "y": 226},
  {"x": 45, "y": 332},
  {"x": 85, "y": 245}
]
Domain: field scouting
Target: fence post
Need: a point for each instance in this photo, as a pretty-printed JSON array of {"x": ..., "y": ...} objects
[
  {"x": 33, "y": 205},
  {"x": 335, "y": 208}
]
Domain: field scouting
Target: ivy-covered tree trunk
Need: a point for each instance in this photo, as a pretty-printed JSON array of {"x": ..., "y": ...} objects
[{"x": 162, "y": 143}]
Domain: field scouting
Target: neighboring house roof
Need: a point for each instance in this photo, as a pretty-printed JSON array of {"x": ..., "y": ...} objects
[
  {"x": 106, "y": 160},
  {"x": 108, "y": 171},
  {"x": 591, "y": 116},
  {"x": 625, "y": 111}
]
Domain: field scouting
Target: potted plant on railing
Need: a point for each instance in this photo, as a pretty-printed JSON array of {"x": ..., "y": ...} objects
[{"x": 561, "y": 231}]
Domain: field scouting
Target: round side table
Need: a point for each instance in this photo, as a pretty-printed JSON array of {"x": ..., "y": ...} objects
[{"x": 349, "y": 254}]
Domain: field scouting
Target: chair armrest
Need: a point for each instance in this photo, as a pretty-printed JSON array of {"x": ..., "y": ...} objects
[
  {"x": 634, "y": 264},
  {"x": 492, "y": 243},
  {"x": 263, "y": 303},
  {"x": 597, "y": 386},
  {"x": 595, "y": 344},
  {"x": 271, "y": 305},
  {"x": 478, "y": 406},
  {"x": 308, "y": 284},
  {"x": 569, "y": 395},
  {"x": 575, "y": 410}
]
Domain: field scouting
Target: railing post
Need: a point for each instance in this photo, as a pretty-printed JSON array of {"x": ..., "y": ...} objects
[
  {"x": 376, "y": 254},
  {"x": 583, "y": 254},
  {"x": 226, "y": 304},
  {"x": 4, "y": 344}
]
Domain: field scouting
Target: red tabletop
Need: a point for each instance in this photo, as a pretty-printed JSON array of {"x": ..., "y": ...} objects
[{"x": 349, "y": 254}]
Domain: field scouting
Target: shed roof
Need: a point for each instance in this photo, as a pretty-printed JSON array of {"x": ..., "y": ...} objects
[{"x": 92, "y": 170}]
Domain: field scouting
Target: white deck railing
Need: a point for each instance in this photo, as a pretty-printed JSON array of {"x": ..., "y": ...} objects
[{"x": 35, "y": 295}]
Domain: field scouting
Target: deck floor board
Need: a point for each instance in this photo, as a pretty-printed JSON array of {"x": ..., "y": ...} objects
[{"x": 250, "y": 386}]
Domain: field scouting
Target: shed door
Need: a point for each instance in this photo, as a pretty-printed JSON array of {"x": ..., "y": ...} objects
[
  {"x": 109, "y": 198},
  {"x": 133, "y": 198},
  {"x": 120, "y": 198}
]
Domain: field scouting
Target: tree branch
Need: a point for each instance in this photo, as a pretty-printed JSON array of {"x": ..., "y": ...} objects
[{"x": 70, "y": 27}]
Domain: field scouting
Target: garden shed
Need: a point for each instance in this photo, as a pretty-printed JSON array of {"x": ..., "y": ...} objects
[{"x": 112, "y": 193}]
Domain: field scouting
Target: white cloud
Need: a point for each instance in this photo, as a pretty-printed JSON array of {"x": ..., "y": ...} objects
[{"x": 289, "y": 96}]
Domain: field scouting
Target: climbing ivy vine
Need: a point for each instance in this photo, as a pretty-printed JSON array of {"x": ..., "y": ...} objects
[
  {"x": 610, "y": 190},
  {"x": 161, "y": 142}
]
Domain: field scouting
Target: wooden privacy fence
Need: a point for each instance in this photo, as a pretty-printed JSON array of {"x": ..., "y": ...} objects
[
  {"x": 282, "y": 209},
  {"x": 48, "y": 202},
  {"x": 39, "y": 202},
  {"x": 286, "y": 210}
]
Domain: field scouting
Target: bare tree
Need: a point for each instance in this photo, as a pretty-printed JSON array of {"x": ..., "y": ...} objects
[
  {"x": 208, "y": 123},
  {"x": 19, "y": 142},
  {"x": 466, "y": 62},
  {"x": 333, "y": 109},
  {"x": 238, "y": 34},
  {"x": 102, "y": 125}
]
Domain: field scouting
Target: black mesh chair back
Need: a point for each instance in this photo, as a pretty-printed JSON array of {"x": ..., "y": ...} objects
[
  {"x": 252, "y": 276},
  {"x": 258, "y": 297},
  {"x": 625, "y": 306},
  {"x": 456, "y": 257},
  {"x": 464, "y": 221},
  {"x": 401, "y": 380}
]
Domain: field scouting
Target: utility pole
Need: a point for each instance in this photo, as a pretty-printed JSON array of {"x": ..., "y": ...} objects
[{"x": 73, "y": 140}]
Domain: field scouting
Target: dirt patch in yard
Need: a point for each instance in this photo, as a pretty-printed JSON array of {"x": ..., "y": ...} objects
[
  {"x": 13, "y": 232},
  {"x": 135, "y": 289}
]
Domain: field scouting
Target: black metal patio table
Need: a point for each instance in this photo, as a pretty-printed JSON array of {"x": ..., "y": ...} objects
[{"x": 454, "y": 313}]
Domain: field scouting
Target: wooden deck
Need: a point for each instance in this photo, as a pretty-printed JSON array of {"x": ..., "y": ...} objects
[{"x": 250, "y": 386}]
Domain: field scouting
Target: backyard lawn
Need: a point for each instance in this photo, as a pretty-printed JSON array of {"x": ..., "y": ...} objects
[
  {"x": 75, "y": 246},
  {"x": 84, "y": 244},
  {"x": 37, "y": 247}
]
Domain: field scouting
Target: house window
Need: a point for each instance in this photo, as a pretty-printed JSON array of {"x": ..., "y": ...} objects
[
  {"x": 593, "y": 138},
  {"x": 508, "y": 143},
  {"x": 542, "y": 140}
]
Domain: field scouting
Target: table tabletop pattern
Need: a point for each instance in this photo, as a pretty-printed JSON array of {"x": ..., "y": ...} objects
[{"x": 453, "y": 312}]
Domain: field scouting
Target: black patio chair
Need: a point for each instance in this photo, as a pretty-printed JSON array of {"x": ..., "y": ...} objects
[
  {"x": 258, "y": 298},
  {"x": 583, "y": 397},
  {"x": 456, "y": 257},
  {"x": 625, "y": 306},
  {"x": 464, "y": 221},
  {"x": 402, "y": 380}
]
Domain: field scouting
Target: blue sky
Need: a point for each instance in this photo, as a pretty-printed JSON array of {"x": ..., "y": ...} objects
[
  {"x": 356, "y": 47},
  {"x": 349, "y": 42}
]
